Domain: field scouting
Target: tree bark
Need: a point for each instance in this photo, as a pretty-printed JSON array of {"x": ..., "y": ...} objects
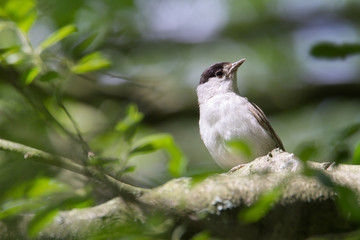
[{"x": 306, "y": 205}]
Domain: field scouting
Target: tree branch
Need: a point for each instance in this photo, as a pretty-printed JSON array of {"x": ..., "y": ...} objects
[
  {"x": 68, "y": 164},
  {"x": 215, "y": 203}
]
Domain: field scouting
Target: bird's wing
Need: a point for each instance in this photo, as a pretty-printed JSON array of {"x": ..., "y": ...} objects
[{"x": 264, "y": 122}]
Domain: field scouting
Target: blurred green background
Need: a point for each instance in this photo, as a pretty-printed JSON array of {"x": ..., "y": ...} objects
[
  {"x": 302, "y": 69},
  {"x": 158, "y": 49}
]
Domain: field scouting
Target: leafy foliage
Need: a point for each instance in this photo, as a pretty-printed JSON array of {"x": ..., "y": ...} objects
[
  {"x": 204, "y": 235},
  {"x": 92, "y": 62},
  {"x": 23, "y": 16},
  {"x": 56, "y": 37},
  {"x": 348, "y": 203},
  {"x": 356, "y": 157},
  {"x": 307, "y": 151},
  {"x": 240, "y": 147},
  {"x": 331, "y": 50},
  {"x": 177, "y": 163},
  {"x": 38, "y": 74},
  {"x": 130, "y": 123},
  {"x": 265, "y": 203},
  {"x": 341, "y": 148}
]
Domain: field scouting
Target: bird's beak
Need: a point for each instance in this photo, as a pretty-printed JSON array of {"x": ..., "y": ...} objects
[{"x": 235, "y": 66}]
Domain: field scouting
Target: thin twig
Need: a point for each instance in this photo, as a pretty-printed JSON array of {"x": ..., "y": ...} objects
[
  {"x": 68, "y": 164},
  {"x": 85, "y": 147},
  {"x": 44, "y": 111}
]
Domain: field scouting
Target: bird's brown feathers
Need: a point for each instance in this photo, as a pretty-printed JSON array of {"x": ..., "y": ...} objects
[{"x": 264, "y": 122}]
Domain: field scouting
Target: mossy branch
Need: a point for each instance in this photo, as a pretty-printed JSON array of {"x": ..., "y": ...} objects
[{"x": 213, "y": 204}]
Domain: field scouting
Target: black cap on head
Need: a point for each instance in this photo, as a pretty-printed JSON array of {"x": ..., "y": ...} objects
[{"x": 210, "y": 72}]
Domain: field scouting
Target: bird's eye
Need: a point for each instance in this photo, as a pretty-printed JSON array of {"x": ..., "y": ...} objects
[{"x": 219, "y": 73}]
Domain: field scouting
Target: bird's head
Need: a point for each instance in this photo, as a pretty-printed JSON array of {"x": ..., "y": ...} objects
[
  {"x": 222, "y": 71},
  {"x": 218, "y": 78}
]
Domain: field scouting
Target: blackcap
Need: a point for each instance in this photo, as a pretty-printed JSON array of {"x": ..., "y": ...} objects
[{"x": 234, "y": 130}]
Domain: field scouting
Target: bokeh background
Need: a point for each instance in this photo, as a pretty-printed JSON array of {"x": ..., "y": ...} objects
[{"x": 302, "y": 69}]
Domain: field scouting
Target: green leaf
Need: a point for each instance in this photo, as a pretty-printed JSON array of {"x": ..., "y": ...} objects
[
  {"x": 240, "y": 147},
  {"x": 39, "y": 188},
  {"x": 36, "y": 188},
  {"x": 56, "y": 37},
  {"x": 30, "y": 75},
  {"x": 306, "y": 151},
  {"x": 177, "y": 162},
  {"x": 91, "y": 62},
  {"x": 151, "y": 143},
  {"x": 129, "y": 169},
  {"x": 6, "y": 25},
  {"x": 23, "y": 12},
  {"x": 197, "y": 178},
  {"x": 356, "y": 156},
  {"x": 348, "y": 203},
  {"x": 10, "y": 37},
  {"x": 204, "y": 235},
  {"x": 46, "y": 215},
  {"x": 101, "y": 161},
  {"x": 85, "y": 44},
  {"x": 77, "y": 201},
  {"x": 95, "y": 161},
  {"x": 40, "y": 220},
  {"x": 13, "y": 55},
  {"x": 49, "y": 76},
  {"x": 128, "y": 126},
  {"x": 15, "y": 207},
  {"x": 349, "y": 131},
  {"x": 45, "y": 186},
  {"x": 340, "y": 153},
  {"x": 323, "y": 178},
  {"x": 257, "y": 211},
  {"x": 331, "y": 50}
]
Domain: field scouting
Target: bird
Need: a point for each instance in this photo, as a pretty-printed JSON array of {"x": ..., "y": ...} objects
[{"x": 234, "y": 130}]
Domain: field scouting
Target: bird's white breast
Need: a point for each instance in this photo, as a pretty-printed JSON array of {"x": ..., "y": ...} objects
[{"x": 226, "y": 117}]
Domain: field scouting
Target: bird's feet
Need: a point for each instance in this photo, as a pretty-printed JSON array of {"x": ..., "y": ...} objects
[{"x": 234, "y": 169}]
